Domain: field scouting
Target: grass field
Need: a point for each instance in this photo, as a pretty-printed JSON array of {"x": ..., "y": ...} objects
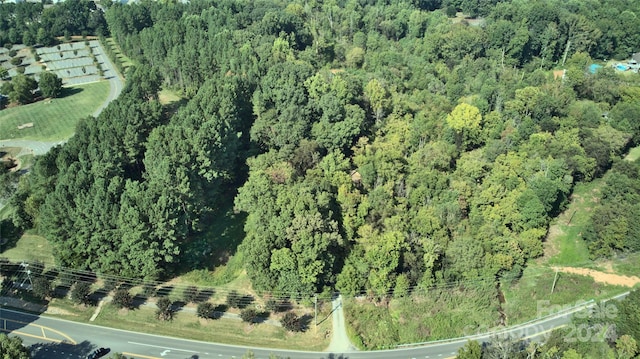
[
  {"x": 633, "y": 154},
  {"x": 437, "y": 314},
  {"x": 53, "y": 120},
  {"x": 629, "y": 264},
  {"x": 565, "y": 245},
  {"x": 230, "y": 331},
  {"x": 124, "y": 61},
  {"x": 30, "y": 247},
  {"x": 525, "y": 300}
]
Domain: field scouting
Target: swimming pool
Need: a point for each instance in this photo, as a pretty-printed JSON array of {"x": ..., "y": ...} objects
[{"x": 621, "y": 67}]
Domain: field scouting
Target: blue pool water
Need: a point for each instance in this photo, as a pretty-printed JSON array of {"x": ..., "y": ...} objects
[{"x": 622, "y": 67}]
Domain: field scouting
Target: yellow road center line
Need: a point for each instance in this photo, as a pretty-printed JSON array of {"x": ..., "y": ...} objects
[
  {"x": 34, "y": 336},
  {"x": 42, "y": 328},
  {"x": 61, "y": 334}
]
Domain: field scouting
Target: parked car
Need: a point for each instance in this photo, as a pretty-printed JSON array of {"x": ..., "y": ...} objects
[{"x": 98, "y": 353}]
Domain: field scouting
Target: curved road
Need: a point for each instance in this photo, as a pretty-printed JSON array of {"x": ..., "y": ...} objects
[
  {"x": 110, "y": 73},
  {"x": 115, "y": 88},
  {"x": 36, "y": 330}
]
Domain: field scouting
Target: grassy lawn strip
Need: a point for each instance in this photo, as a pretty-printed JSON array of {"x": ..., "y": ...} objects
[
  {"x": 64, "y": 308},
  {"x": 438, "y": 314},
  {"x": 569, "y": 249},
  {"x": 30, "y": 247},
  {"x": 524, "y": 299},
  {"x": 633, "y": 154},
  {"x": 629, "y": 265},
  {"x": 53, "y": 120},
  {"x": 120, "y": 57},
  {"x": 228, "y": 331}
]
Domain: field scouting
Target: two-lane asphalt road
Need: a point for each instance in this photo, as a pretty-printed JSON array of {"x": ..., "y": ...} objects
[{"x": 42, "y": 329}]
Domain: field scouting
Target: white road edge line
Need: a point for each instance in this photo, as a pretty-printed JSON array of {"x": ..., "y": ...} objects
[{"x": 156, "y": 346}]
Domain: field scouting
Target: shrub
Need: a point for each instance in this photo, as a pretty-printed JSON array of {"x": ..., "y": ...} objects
[
  {"x": 20, "y": 69},
  {"x": 41, "y": 287},
  {"x": 248, "y": 315},
  {"x": 16, "y": 61},
  {"x": 291, "y": 322},
  {"x": 206, "y": 310},
  {"x": 164, "y": 311},
  {"x": 122, "y": 299},
  {"x": 13, "y": 53},
  {"x": 80, "y": 292}
]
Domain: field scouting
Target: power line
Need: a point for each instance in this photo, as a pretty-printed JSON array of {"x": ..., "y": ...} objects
[{"x": 59, "y": 272}]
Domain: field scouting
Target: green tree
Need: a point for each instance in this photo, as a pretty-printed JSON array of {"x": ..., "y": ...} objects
[
  {"x": 571, "y": 354},
  {"x": 471, "y": 350},
  {"x": 355, "y": 57},
  {"x": 41, "y": 287},
  {"x": 12, "y": 348},
  {"x": 628, "y": 319},
  {"x": 377, "y": 96},
  {"x": 80, "y": 292},
  {"x": 22, "y": 89},
  {"x": 291, "y": 322},
  {"x": 465, "y": 120},
  {"x": 205, "y": 310},
  {"x": 44, "y": 37},
  {"x": 164, "y": 311},
  {"x": 50, "y": 84},
  {"x": 281, "y": 106},
  {"x": 122, "y": 299},
  {"x": 248, "y": 315},
  {"x": 626, "y": 347}
]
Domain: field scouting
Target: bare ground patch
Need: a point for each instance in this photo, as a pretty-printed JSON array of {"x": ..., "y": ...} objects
[{"x": 601, "y": 277}]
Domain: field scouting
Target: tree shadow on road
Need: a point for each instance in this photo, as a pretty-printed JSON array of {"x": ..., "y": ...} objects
[{"x": 53, "y": 350}]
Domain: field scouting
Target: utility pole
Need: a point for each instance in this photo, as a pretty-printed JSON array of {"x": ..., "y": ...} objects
[
  {"x": 28, "y": 272},
  {"x": 554, "y": 281}
]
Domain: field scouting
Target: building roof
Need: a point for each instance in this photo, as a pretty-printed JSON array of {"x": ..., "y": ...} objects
[{"x": 636, "y": 57}]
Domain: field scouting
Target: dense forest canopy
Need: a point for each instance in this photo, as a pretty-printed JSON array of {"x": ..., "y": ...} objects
[
  {"x": 376, "y": 147},
  {"x": 32, "y": 23}
]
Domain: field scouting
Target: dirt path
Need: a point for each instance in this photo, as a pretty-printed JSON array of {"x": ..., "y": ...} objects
[
  {"x": 340, "y": 342},
  {"x": 601, "y": 277}
]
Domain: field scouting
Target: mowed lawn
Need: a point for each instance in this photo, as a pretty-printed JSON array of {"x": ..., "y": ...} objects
[
  {"x": 30, "y": 247},
  {"x": 56, "y": 119}
]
